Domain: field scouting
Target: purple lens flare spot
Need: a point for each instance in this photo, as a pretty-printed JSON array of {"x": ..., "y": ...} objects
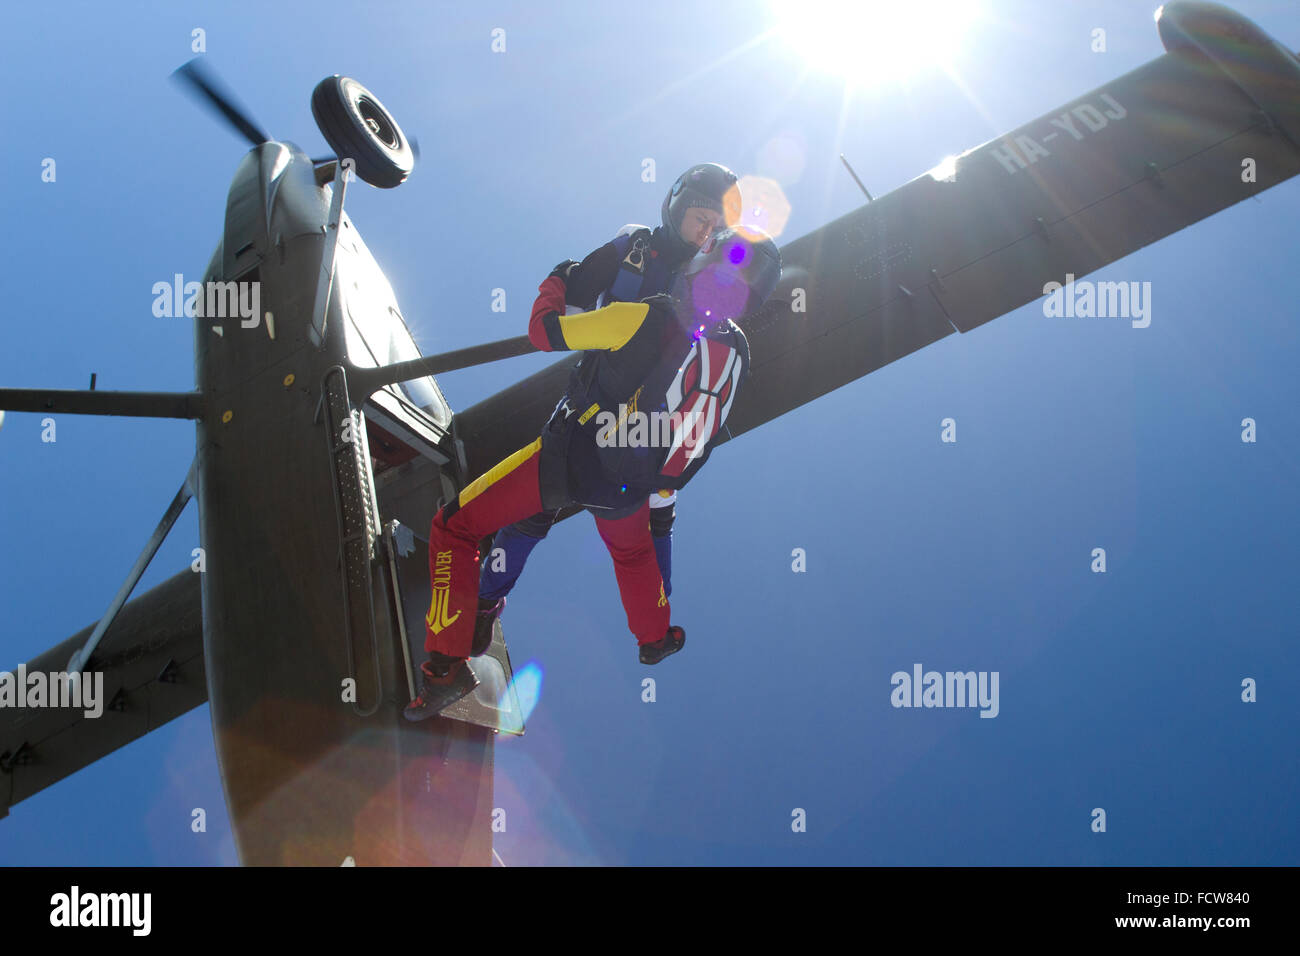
[{"x": 719, "y": 293}]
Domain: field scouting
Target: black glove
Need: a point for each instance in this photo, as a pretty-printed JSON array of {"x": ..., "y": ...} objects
[{"x": 563, "y": 269}]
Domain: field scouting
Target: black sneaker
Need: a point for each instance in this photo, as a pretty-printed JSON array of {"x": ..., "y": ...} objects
[
  {"x": 488, "y": 612},
  {"x": 443, "y": 681},
  {"x": 670, "y": 643}
]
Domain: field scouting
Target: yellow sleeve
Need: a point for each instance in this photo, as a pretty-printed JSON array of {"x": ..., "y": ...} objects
[{"x": 609, "y": 328}]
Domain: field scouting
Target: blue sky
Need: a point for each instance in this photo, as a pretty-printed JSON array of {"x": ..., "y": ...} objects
[{"x": 1118, "y": 690}]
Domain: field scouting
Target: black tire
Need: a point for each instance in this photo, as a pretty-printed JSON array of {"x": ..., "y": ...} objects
[{"x": 357, "y": 126}]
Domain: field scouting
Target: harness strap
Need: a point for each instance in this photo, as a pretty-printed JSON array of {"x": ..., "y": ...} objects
[{"x": 627, "y": 283}]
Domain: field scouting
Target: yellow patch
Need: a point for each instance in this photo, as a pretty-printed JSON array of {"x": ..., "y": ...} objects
[
  {"x": 609, "y": 328},
  {"x": 497, "y": 472},
  {"x": 437, "y": 618}
]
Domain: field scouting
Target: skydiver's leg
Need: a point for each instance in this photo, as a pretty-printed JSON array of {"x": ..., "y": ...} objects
[
  {"x": 639, "y": 583},
  {"x": 508, "y": 492},
  {"x": 662, "y": 513},
  {"x": 501, "y": 571}
]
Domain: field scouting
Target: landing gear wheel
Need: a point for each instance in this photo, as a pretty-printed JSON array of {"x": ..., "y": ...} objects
[{"x": 357, "y": 127}]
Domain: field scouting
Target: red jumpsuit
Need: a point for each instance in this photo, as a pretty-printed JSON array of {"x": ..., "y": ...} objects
[{"x": 552, "y": 471}]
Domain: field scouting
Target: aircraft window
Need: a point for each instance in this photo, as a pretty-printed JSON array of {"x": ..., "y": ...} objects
[
  {"x": 402, "y": 348},
  {"x": 376, "y": 333}
]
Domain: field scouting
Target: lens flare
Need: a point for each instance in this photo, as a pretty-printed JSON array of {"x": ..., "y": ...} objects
[
  {"x": 528, "y": 688},
  {"x": 766, "y": 206},
  {"x": 719, "y": 292}
]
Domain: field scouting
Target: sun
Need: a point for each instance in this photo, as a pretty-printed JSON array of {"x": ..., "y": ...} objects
[{"x": 876, "y": 42}]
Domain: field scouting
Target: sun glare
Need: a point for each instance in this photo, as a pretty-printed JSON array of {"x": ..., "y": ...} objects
[{"x": 875, "y": 42}]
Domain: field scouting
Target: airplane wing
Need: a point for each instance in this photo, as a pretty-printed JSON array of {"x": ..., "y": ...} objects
[
  {"x": 1065, "y": 194},
  {"x": 151, "y": 659}
]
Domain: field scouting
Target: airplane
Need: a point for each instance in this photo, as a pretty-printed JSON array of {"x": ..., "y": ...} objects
[{"x": 314, "y": 576}]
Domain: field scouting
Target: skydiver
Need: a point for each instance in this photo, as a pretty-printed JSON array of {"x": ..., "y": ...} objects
[
  {"x": 635, "y": 264},
  {"x": 679, "y": 354}
]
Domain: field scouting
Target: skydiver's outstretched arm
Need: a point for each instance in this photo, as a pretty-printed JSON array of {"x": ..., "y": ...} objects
[{"x": 609, "y": 328}]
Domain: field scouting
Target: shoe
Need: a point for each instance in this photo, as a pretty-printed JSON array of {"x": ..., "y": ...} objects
[
  {"x": 670, "y": 643},
  {"x": 488, "y": 612},
  {"x": 443, "y": 681}
]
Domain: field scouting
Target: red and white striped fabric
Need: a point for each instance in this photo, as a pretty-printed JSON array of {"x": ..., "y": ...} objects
[{"x": 699, "y": 400}]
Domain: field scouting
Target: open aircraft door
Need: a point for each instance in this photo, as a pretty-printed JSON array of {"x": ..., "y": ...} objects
[
  {"x": 494, "y": 703},
  {"x": 413, "y": 462}
]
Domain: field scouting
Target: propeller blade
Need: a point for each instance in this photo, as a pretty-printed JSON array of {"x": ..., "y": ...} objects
[{"x": 205, "y": 84}]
